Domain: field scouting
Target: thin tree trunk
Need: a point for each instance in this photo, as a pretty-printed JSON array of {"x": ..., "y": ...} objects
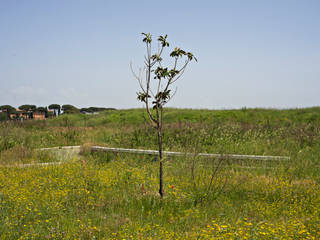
[
  {"x": 161, "y": 192},
  {"x": 8, "y": 115}
]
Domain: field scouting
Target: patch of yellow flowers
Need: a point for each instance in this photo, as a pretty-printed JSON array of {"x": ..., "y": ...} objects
[{"x": 76, "y": 201}]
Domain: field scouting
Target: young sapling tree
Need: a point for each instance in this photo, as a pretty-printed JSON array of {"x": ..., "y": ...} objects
[{"x": 156, "y": 81}]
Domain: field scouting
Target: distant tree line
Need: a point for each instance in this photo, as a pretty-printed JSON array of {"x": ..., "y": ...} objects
[
  {"x": 94, "y": 109},
  {"x": 53, "y": 110}
]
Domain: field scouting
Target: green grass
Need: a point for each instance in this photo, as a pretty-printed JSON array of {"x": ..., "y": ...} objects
[{"x": 114, "y": 196}]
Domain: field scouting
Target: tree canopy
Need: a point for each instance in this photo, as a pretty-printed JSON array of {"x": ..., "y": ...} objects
[
  {"x": 8, "y": 109},
  {"x": 41, "y": 109},
  {"x": 54, "y": 106},
  {"x": 28, "y": 107},
  {"x": 67, "y": 108}
]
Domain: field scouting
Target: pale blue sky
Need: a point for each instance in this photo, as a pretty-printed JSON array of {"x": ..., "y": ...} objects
[{"x": 251, "y": 53}]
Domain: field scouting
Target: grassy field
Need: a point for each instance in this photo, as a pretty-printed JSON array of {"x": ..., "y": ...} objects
[{"x": 114, "y": 196}]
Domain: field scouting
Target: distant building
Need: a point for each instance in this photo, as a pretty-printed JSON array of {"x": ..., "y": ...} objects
[
  {"x": 20, "y": 114},
  {"x": 39, "y": 115}
]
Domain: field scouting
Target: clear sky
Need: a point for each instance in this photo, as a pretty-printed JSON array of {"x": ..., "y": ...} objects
[{"x": 251, "y": 53}]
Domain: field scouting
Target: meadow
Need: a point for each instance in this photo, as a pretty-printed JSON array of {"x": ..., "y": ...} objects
[{"x": 115, "y": 196}]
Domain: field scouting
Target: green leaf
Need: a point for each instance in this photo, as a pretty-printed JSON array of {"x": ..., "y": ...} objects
[
  {"x": 148, "y": 38},
  {"x": 163, "y": 41},
  {"x": 143, "y": 96},
  {"x": 156, "y": 57}
]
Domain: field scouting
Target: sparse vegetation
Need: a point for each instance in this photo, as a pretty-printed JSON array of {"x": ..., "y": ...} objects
[{"x": 113, "y": 196}]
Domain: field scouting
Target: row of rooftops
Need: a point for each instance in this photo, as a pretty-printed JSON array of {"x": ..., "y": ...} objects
[{"x": 22, "y": 114}]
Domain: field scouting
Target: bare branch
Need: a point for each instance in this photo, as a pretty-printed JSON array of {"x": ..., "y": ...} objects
[
  {"x": 139, "y": 78},
  {"x": 181, "y": 71},
  {"x": 133, "y": 72},
  {"x": 158, "y": 47},
  {"x": 159, "y": 85},
  {"x": 175, "y": 63},
  {"x": 148, "y": 71},
  {"x": 149, "y": 50},
  {"x": 175, "y": 91},
  {"x": 159, "y": 54},
  {"x": 153, "y": 95}
]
